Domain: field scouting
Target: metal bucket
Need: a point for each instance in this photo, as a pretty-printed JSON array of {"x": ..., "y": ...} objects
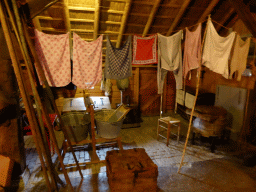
[
  {"x": 108, "y": 130},
  {"x": 77, "y": 125}
]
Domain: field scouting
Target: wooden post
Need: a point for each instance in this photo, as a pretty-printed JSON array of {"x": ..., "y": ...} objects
[
  {"x": 50, "y": 95},
  {"x": 194, "y": 105},
  {"x": 27, "y": 102}
]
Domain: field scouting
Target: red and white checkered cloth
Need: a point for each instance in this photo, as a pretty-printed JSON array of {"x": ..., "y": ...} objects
[
  {"x": 54, "y": 54},
  {"x": 144, "y": 50},
  {"x": 87, "y": 62}
]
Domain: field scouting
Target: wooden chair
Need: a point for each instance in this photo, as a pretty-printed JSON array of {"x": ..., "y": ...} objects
[{"x": 167, "y": 123}]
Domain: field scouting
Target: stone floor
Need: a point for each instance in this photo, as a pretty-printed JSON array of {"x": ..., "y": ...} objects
[{"x": 201, "y": 169}]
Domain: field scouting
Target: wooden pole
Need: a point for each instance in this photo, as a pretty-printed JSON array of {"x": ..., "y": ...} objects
[
  {"x": 194, "y": 105},
  {"x": 50, "y": 95},
  {"x": 27, "y": 102},
  {"x": 45, "y": 148}
]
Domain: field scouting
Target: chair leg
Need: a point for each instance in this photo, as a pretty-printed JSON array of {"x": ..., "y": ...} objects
[
  {"x": 178, "y": 138},
  {"x": 119, "y": 143},
  {"x": 168, "y": 133},
  {"x": 157, "y": 137}
]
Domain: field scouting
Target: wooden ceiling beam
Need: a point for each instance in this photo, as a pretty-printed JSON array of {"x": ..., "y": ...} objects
[
  {"x": 51, "y": 29},
  {"x": 49, "y": 18},
  {"x": 178, "y": 17},
  {"x": 245, "y": 15},
  {"x": 36, "y": 23},
  {"x": 123, "y": 22},
  {"x": 81, "y": 20},
  {"x": 76, "y": 8},
  {"x": 151, "y": 18},
  {"x": 225, "y": 18},
  {"x": 96, "y": 19},
  {"x": 208, "y": 10}
]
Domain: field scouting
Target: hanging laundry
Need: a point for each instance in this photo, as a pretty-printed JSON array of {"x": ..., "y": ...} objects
[
  {"x": 54, "y": 54},
  {"x": 217, "y": 50},
  {"x": 144, "y": 50},
  {"x": 192, "y": 50},
  {"x": 87, "y": 62},
  {"x": 118, "y": 60},
  {"x": 239, "y": 57},
  {"x": 169, "y": 59}
]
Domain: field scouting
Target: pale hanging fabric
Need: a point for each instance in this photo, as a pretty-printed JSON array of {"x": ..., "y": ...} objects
[
  {"x": 169, "y": 59},
  {"x": 87, "y": 62},
  {"x": 239, "y": 57},
  {"x": 54, "y": 54},
  {"x": 192, "y": 50},
  {"x": 217, "y": 50}
]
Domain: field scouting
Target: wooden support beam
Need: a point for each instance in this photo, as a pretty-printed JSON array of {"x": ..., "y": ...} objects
[
  {"x": 53, "y": 29},
  {"x": 81, "y": 20},
  {"x": 96, "y": 19},
  {"x": 37, "y": 23},
  {"x": 137, "y": 86},
  {"x": 76, "y": 8},
  {"x": 123, "y": 22},
  {"x": 151, "y": 18},
  {"x": 208, "y": 10},
  {"x": 48, "y": 18},
  {"x": 225, "y": 18},
  {"x": 245, "y": 15},
  {"x": 178, "y": 17},
  {"x": 68, "y": 26},
  {"x": 112, "y": 11}
]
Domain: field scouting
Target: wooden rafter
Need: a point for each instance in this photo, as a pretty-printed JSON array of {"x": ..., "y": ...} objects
[
  {"x": 96, "y": 19},
  {"x": 245, "y": 15},
  {"x": 208, "y": 10},
  {"x": 37, "y": 23},
  {"x": 151, "y": 17},
  {"x": 53, "y": 29},
  {"x": 67, "y": 24},
  {"x": 178, "y": 17},
  {"x": 123, "y": 22},
  {"x": 49, "y": 18},
  {"x": 225, "y": 18}
]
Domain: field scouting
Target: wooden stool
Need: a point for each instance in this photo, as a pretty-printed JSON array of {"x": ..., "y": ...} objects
[{"x": 168, "y": 121}]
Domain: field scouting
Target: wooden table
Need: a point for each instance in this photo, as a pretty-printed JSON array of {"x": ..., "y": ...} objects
[{"x": 77, "y": 104}]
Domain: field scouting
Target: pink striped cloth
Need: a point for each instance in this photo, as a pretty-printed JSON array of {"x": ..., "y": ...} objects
[
  {"x": 192, "y": 50},
  {"x": 87, "y": 62},
  {"x": 54, "y": 54}
]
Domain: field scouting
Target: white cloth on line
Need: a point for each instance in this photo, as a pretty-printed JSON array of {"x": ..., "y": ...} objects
[
  {"x": 217, "y": 50},
  {"x": 239, "y": 57}
]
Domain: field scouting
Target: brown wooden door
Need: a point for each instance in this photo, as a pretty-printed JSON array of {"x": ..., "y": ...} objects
[{"x": 148, "y": 96}]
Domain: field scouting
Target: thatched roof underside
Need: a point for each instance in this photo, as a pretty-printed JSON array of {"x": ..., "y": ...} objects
[{"x": 120, "y": 18}]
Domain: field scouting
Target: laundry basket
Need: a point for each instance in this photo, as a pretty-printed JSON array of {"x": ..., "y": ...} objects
[
  {"x": 106, "y": 129},
  {"x": 77, "y": 125}
]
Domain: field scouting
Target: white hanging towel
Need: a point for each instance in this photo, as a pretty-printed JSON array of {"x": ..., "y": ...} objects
[
  {"x": 169, "y": 59},
  {"x": 217, "y": 50},
  {"x": 87, "y": 62},
  {"x": 239, "y": 57},
  {"x": 54, "y": 54}
]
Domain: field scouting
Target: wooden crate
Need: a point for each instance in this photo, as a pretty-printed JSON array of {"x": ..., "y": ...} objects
[
  {"x": 6, "y": 166},
  {"x": 131, "y": 170}
]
